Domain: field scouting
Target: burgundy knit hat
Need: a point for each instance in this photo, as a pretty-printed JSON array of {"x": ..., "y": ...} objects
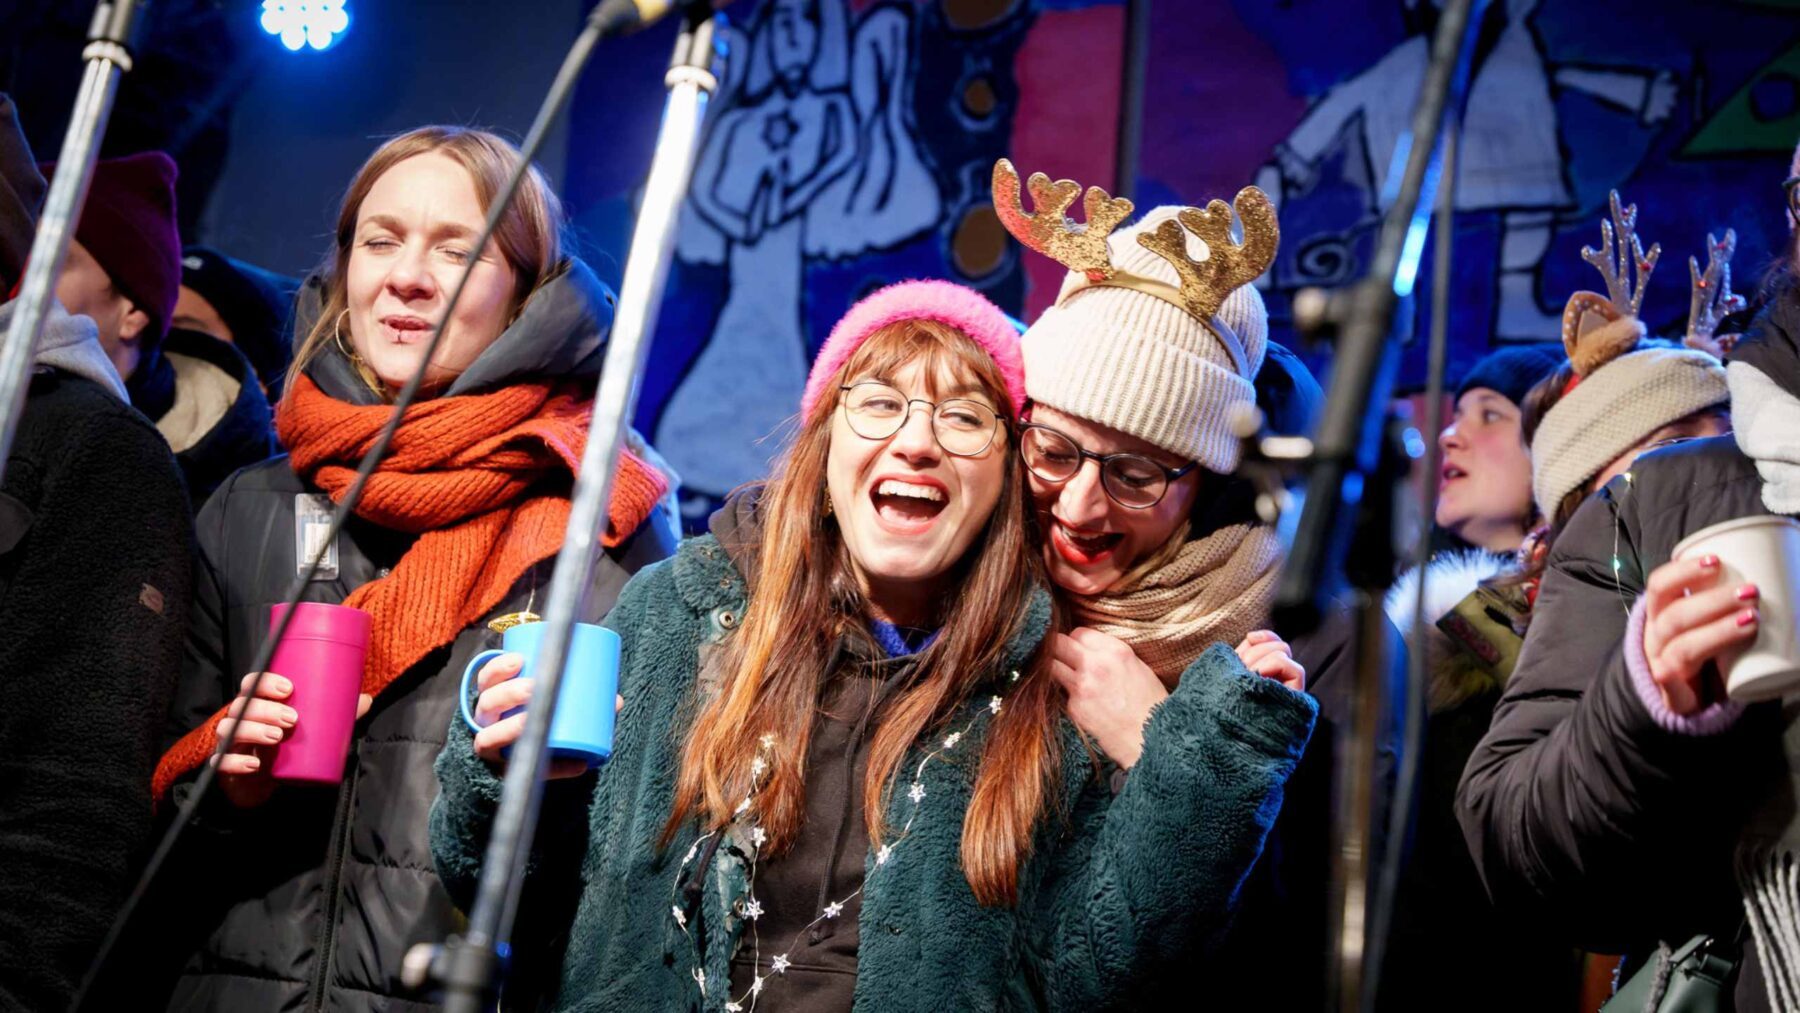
[
  {"x": 944, "y": 302},
  {"x": 128, "y": 224}
]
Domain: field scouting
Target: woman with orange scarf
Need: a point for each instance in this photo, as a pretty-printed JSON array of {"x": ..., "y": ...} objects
[{"x": 304, "y": 896}]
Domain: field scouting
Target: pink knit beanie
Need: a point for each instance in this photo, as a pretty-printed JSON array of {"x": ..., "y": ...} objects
[{"x": 944, "y": 302}]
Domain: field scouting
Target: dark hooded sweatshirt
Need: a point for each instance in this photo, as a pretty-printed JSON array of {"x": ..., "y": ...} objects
[{"x": 826, "y": 861}]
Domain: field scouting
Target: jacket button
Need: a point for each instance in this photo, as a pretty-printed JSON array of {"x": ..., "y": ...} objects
[{"x": 728, "y": 619}]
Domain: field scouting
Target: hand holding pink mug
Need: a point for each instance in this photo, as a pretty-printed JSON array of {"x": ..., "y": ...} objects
[{"x": 299, "y": 724}]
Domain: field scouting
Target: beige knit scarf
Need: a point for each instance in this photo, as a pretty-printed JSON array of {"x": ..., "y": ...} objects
[{"x": 1189, "y": 595}]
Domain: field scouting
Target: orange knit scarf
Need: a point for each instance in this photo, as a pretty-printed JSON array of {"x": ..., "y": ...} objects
[{"x": 482, "y": 480}]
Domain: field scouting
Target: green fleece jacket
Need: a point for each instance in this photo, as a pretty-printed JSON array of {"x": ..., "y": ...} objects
[{"x": 1120, "y": 889}]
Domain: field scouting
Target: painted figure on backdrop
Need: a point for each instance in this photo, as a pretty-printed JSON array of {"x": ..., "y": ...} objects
[
  {"x": 811, "y": 155},
  {"x": 1512, "y": 159}
]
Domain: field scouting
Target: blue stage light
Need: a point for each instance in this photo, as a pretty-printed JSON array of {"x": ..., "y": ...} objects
[{"x": 298, "y": 23}]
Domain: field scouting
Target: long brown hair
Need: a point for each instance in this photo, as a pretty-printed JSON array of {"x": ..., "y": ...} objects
[
  {"x": 803, "y": 597},
  {"x": 529, "y": 236}
]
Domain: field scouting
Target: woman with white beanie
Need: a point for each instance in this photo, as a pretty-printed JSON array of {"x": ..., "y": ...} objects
[
  {"x": 1584, "y": 421},
  {"x": 1619, "y": 395},
  {"x": 1136, "y": 376},
  {"x": 1619, "y": 795}
]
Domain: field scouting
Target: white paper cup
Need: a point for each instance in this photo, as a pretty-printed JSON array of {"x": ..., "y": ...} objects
[{"x": 1764, "y": 551}]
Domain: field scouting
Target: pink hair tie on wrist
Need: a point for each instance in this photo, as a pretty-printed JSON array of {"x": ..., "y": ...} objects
[{"x": 940, "y": 301}]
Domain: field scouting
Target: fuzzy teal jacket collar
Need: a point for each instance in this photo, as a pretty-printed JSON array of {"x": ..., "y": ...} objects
[{"x": 1119, "y": 891}]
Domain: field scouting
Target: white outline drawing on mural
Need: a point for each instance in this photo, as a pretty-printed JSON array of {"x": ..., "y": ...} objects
[
  {"x": 810, "y": 155},
  {"x": 1511, "y": 156}
]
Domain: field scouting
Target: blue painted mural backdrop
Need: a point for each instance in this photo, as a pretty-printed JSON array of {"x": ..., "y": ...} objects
[{"x": 851, "y": 141}]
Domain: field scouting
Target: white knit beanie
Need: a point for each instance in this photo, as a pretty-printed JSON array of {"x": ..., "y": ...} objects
[
  {"x": 1143, "y": 365},
  {"x": 1614, "y": 409}
]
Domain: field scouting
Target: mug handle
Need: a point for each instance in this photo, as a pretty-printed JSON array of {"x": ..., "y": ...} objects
[{"x": 462, "y": 694}]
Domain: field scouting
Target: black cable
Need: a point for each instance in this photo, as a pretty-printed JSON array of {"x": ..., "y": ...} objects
[{"x": 603, "y": 21}]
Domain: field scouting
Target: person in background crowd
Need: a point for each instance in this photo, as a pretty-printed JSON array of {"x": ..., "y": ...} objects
[
  {"x": 1484, "y": 501},
  {"x": 124, "y": 271},
  {"x": 1484, "y": 486},
  {"x": 1135, "y": 383},
  {"x": 923, "y": 830},
  {"x": 1612, "y": 758},
  {"x": 95, "y": 578},
  {"x": 241, "y": 304},
  {"x": 306, "y": 895}
]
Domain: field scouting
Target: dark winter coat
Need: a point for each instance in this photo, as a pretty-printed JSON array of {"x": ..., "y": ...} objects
[
  {"x": 95, "y": 556},
  {"x": 1277, "y": 946},
  {"x": 1112, "y": 894},
  {"x": 1441, "y": 911},
  {"x": 242, "y": 436},
  {"x": 1583, "y": 813},
  {"x": 311, "y": 900}
]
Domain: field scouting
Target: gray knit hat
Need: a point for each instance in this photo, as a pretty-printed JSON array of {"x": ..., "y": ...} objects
[{"x": 1614, "y": 409}]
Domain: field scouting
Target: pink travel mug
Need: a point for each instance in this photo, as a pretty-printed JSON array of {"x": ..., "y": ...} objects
[{"x": 322, "y": 655}]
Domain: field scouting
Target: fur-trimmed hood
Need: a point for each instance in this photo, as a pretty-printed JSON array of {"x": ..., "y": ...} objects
[{"x": 1453, "y": 675}]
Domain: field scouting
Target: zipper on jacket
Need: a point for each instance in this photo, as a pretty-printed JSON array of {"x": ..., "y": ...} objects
[{"x": 326, "y": 943}]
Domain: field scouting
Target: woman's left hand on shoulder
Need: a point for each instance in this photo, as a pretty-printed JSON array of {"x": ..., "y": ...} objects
[
  {"x": 1266, "y": 654},
  {"x": 1110, "y": 691}
]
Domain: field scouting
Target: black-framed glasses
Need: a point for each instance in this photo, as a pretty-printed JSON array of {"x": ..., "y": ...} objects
[
  {"x": 1132, "y": 480},
  {"x": 1790, "y": 188},
  {"x": 961, "y": 426}
]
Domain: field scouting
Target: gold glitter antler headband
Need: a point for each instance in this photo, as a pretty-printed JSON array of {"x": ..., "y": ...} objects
[
  {"x": 1078, "y": 247},
  {"x": 1621, "y": 259},
  {"x": 1205, "y": 284}
]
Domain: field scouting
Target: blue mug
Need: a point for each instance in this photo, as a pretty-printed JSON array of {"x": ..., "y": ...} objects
[{"x": 582, "y": 728}]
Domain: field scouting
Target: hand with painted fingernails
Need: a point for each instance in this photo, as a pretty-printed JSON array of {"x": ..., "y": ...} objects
[
  {"x": 1266, "y": 654},
  {"x": 1691, "y": 616},
  {"x": 263, "y": 722},
  {"x": 502, "y": 692}
]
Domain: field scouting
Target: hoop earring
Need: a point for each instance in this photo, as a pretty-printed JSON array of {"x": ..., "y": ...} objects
[
  {"x": 362, "y": 369},
  {"x": 337, "y": 337}
]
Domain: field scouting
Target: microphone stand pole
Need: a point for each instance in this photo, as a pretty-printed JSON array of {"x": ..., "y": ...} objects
[
  {"x": 108, "y": 56},
  {"x": 469, "y": 968},
  {"x": 1353, "y": 453}
]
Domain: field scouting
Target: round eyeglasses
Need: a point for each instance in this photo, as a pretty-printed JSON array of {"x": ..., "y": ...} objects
[
  {"x": 1131, "y": 480},
  {"x": 961, "y": 426}
]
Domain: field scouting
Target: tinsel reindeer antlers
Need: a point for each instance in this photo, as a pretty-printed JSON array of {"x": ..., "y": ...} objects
[
  {"x": 1597, "y": 329},
  {"x": 1712, "y": 299},
  {"x": 1078, "y": 247},
  {"x": 1205, "y": 284},
  {"x": 1618, "y": 269}
]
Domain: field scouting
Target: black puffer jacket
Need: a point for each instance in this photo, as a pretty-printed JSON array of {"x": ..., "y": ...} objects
[
  {"x": 1580, "y": 810},
  {"x": 310, "y": 901}
]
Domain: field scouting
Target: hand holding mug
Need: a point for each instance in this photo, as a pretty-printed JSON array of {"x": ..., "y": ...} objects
[
  {"x": 581, "y": 732},
  {"x": 1266, "y": 654},
  {"x": 500, "y": 693},
  {"x": 1691, "y": 617},
  {"x": 258, "y": 724}
]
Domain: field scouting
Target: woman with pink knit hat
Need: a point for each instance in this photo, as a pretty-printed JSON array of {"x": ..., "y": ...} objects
[
  {"x": 843, "y": 778},
  {"x": 1136, "y": 375}
]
